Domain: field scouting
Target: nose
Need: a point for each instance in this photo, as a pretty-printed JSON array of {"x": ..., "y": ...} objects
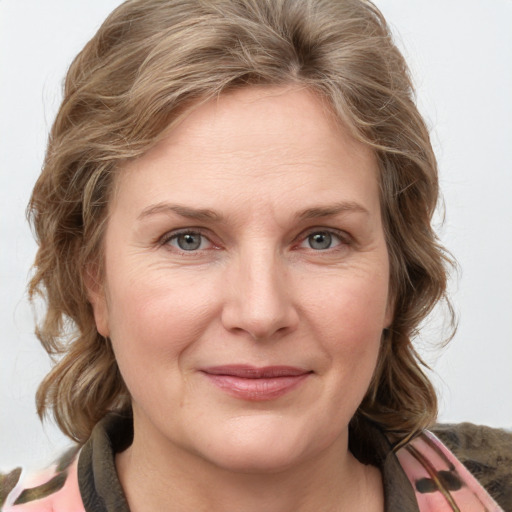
[{"x": 259, "y": 298}]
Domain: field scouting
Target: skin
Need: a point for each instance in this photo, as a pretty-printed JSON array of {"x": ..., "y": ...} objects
[{"x": 275, "y": 169}]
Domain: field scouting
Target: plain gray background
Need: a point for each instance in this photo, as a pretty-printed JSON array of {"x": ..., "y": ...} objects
[{"x": 460, "y": 52}]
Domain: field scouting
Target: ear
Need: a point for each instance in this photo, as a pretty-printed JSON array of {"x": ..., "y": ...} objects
[{"x": 96, "y": 294}]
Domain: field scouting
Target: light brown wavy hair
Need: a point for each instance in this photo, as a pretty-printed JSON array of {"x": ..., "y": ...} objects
[{"x": 147, "y": 66}]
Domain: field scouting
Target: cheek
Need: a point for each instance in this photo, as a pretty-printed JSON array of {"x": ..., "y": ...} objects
[
  {"x": 154, "y": 316},
  {"x": 349, "y": 317},
  {"x": 353, "y": 305}
]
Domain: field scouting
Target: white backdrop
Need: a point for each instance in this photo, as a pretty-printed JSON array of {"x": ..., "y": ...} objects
[{"x": 460, "y": 52}]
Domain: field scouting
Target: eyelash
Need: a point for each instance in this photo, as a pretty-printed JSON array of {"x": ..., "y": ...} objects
[
  {"x": 343, "y": 238},
  {"x": 173, "y": 235}
]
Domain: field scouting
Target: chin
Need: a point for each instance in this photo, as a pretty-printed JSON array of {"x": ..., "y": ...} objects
[
  {"x": 260, "y": 446},
  {"x": 253, "y": 459}
]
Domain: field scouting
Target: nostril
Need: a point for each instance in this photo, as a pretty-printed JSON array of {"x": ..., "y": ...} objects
[{"x": 259, "y": 326}]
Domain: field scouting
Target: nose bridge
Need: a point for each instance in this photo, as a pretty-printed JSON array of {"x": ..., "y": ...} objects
[
  {"x": 260, "y": 302},
  {"x": 263, "y": 275}
]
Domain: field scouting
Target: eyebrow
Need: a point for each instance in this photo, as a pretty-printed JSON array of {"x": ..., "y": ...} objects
[
  {"x": 332, "y": 210},
  {"x": 200, "y": 214},
  {"x": 205, "y": 214}
]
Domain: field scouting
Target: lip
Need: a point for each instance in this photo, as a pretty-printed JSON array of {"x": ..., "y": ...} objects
[{"x": 256, "y": 384}]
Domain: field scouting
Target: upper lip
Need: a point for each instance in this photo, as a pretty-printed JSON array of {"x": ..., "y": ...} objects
[{"x": 253, "y": 372}]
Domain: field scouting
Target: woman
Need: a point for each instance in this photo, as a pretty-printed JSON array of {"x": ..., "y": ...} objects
[{"x": 235, "y": 244}]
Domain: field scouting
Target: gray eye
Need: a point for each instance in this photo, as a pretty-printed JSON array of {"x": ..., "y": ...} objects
[
  {"x": 319, "y": 241},
  {"x": 189, "y": 241}
]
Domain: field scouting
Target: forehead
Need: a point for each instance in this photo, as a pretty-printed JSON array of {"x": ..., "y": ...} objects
[
  {"x": 291, "y": 116},
  {"x": 280, "y": 143}
]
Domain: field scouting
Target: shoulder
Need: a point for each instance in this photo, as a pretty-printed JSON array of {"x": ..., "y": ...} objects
[
  {"x": 486, "y": 452},
  {"x": 52, "y": 489}
]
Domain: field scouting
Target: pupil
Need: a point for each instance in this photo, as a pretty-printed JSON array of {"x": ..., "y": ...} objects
[
  {"x": 320, "y": 241},
  {"x": 189, "y": 242}
]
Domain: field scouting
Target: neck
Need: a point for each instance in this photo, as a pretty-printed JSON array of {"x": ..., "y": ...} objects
[{"x": 175, "y": 480}]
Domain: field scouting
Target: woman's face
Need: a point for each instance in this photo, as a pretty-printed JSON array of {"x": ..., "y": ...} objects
[{"x": 246, "y": 282}]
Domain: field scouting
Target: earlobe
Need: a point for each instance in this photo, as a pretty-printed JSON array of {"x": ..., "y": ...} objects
[{"x": 97, "y": 297}]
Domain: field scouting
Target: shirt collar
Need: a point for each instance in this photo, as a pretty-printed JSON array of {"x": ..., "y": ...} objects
[{"x": 101, "y": 489}]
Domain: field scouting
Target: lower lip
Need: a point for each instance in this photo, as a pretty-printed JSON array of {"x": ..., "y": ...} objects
[{"x": 257, "y": 390}]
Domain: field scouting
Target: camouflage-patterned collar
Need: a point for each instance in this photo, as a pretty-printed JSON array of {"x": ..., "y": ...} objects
[
  {"x": 423, "y": 475},
  {"x": 102, "y": 492},
  {"x": 97, "y": 476}
]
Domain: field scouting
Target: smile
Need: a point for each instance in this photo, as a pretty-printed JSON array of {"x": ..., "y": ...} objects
[{"x": 256, "y": 384}]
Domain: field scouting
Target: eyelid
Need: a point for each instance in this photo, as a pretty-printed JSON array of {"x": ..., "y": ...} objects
[
  {"x": 170, "y": 235},
  {"x": 344, "y": 237}
]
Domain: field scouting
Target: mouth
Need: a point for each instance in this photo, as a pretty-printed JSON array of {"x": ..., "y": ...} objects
[{"x": 256, "y": 384}]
